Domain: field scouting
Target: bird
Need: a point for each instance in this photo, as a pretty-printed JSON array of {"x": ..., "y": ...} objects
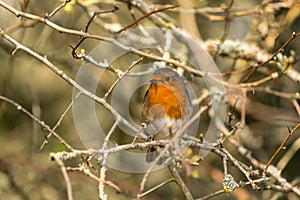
[{"x": 167, "y": 107}]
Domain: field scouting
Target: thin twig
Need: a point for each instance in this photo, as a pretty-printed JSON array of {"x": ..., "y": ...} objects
[
  {"x": 274, "y": 173},
  {"x": 65, "y": 174},
  {"x": 186, "y": 192},
  {"x": 237, "y": 164},
  {"x": 212, "y": 195},
  {"x": 121, "y": 75},
  {"x": 45, "y": 142},
  {"x": 226, "y": 26},
  {"x": 273, "y": 76},
  {"x": 281, "y": 147},
  {"x": 58, "y": 8},
  {"x": 102, "y": 38},
  {"x": 156, "y": 187},
  {"x": 69, "y": 80},
  {"x": 146, "y": 16},
  {"x": 83, "y": 168},
  {"x": 257, "y": 65},
  {"x": 76, "y": 56},
  {"x": 103, "y": 169},
  {"x": 37, "y": 120}
]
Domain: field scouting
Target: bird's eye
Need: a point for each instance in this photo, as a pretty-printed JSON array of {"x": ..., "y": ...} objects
[{"x": 168, "y": 78}]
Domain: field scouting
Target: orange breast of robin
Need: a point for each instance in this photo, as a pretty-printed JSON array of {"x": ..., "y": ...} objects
[{"x": 163, "y": 101}]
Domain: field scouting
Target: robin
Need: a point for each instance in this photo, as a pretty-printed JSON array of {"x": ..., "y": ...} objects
[{"x": 167, "y": 107}]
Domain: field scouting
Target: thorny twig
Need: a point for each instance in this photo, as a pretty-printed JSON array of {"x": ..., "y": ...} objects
[{"x": 281, "y": 147}]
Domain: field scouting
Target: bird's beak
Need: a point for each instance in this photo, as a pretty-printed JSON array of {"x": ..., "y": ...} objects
[{"x": 155, "y": 81}]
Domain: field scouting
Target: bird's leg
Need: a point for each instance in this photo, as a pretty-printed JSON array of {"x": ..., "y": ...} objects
[
  {"x": 169, "y": 126},
  {"x": 152, "y": 152}
]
